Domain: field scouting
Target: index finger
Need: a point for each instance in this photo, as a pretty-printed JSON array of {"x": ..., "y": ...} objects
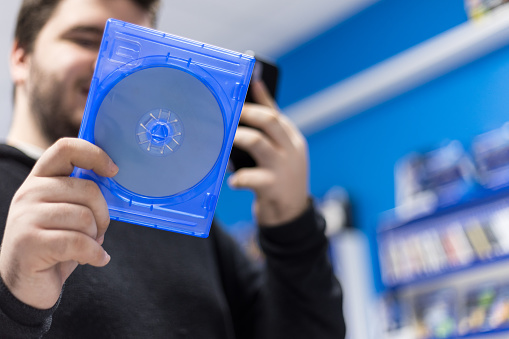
[
  {"x": 60, "y": 159},
  {"x": 262, "y": 95}
]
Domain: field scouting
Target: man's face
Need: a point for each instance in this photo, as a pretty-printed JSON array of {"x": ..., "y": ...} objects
[{"x": 62, "y": 62}]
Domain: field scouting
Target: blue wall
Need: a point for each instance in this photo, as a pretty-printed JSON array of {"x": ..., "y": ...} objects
[
  {"x": 359, "y": 153},
  {"x": 378, "y": 32},
  {"x": 375, "y": 34}
]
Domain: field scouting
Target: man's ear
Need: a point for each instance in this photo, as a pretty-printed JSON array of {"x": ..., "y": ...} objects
[{"x": 19, "y": 64}]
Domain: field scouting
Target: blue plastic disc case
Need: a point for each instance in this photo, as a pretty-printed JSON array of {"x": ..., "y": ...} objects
[{"x": 165, "y": 109}]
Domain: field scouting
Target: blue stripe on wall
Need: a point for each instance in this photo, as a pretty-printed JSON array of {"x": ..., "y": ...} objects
[{"x": 375, "y": 34}]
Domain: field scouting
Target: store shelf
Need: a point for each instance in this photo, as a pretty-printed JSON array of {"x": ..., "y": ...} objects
[
  {"x": 469, "y": 234},
  {"x": 451, "y": 264},
  {"x": 485, "y": 334}
]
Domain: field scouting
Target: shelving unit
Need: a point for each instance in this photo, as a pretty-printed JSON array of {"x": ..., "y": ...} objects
[
  {"x": 457, "y": 251},
  {"x": 455, "y": 238}
]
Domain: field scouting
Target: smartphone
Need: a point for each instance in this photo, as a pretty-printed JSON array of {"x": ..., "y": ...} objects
[{"x": 268, "y": 73}]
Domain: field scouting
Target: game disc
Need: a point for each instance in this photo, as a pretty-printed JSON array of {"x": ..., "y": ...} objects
[
  {"x": 165, "y": 109},
  {"x": 164, "y": 129}
]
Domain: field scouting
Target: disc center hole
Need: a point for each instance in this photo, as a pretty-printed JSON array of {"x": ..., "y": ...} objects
[{"x": 159, "y": 133}]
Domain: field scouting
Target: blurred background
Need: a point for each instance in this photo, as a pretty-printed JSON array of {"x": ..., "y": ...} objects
[{"x": 404, "y": 105}]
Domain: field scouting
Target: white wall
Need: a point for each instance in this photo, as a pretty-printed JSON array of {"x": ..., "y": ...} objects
[{"x": 8, "y": 12}]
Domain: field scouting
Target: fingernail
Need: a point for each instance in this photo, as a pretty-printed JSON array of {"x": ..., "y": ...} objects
[
  {"x": 107, "y": 259},
  {"x": 232, "y": 181},
  {"x": 113, "y": 167}
]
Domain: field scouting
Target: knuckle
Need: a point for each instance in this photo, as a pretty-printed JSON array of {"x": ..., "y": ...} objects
[
  {"x": 63, "y": 145},
  {"x": 255, "y": 139},
  {"x": 285, "y": 120},
  {"x": 98, "y": 152},
  {"x": 68, "y": 183},
  {"x": 49, "y": 214},
  {"x": 20, "y": 195},
  {"x": 271, "y": 118},
  {"x": 26, "y": 190},
  {"x": 24, "y": 240},
  {"x": 270, "y": 180},
  {"x": 59, "y": 246},
  {"x": 86, "y": 216},
  {"x": 91, "y": 189},
  {"x": 104, "y": 222},
  {"x": 27, "y": 194},
  {"x": 75, "y": 242},
  {"x": 301, "y": 144}
]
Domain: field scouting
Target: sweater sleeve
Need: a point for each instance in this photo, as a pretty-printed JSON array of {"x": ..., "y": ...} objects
[
  {"x": 18, "y": 320},
  {"x": 295, "y": 295}
]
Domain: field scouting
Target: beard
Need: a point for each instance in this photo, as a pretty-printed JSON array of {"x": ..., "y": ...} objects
[{"x": 47, "y": 105}]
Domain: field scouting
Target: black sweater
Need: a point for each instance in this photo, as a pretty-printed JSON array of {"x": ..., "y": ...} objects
[{"x": 160, "y": 284}]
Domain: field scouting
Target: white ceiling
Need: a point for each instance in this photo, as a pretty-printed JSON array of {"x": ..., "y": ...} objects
[{"x": 268, "y": 27}]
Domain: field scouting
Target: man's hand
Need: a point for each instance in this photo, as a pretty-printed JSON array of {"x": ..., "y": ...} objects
[
  {"x": 280, "y": 180},
  {"x": 55, "y": 223}
]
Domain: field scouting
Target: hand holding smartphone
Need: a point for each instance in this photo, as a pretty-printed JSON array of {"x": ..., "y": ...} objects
[{"x": 268, "y": 73}]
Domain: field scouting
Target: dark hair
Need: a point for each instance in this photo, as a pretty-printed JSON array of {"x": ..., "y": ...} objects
[{"x": 34, "y": 14}]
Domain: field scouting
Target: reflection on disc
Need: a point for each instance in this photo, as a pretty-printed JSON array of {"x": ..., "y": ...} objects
[{"x": 163, "y": 128}]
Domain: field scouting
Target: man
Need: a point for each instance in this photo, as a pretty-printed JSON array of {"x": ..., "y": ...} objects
[{"x": 128, "y": 281}]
